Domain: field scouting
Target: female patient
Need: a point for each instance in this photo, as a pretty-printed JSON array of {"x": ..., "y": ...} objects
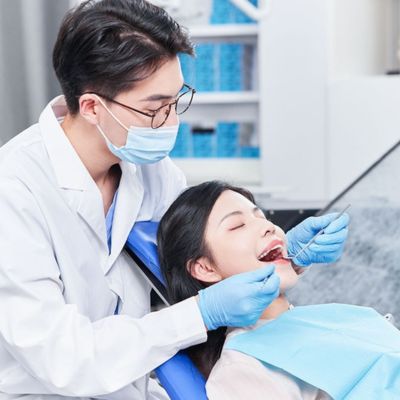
[{"x": 213, "y": 231}]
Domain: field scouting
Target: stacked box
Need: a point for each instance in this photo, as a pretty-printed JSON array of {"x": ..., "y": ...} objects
[
  {"x": 183, "y": 142},
  {"x": 203, "y": 143},
  {"x": 220, "y": 13},
  {"x": 219, "y": 67},
  {"x": 188, "y": 68},
  {"x": 227, "y": 139},
  {"x": 230, "y": 67},
  {"x": 224, "y": 12},
  {"x": 204, "y": 67},
  {"x": 249, "y": 152}
]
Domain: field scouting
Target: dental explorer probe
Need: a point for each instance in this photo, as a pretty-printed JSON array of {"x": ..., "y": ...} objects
[
  {"x": 317, "y": 234},
  {"x": 320, "y": 232}
]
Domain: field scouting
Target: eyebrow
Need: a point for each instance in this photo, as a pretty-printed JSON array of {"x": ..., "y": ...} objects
[
  {"x": 157, "y": 97},
  {"x": 231, "y": 214}
]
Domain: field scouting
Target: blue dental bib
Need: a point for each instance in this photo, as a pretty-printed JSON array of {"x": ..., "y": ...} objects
[{"x": 350, "y": 352}]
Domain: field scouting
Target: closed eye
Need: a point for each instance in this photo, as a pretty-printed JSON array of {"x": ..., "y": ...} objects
[
  {"x": 236, "y": 227},
  {"x": 156, "y": 106}
]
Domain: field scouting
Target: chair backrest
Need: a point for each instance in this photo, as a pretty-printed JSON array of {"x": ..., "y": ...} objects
[{"x": 178, "y": 375}]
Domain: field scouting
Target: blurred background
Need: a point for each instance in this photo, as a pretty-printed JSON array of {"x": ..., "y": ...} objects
[{"x": 295, "y": 99}]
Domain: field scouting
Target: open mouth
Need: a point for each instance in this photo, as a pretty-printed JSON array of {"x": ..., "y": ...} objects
[{"x": 273, "y": 254}]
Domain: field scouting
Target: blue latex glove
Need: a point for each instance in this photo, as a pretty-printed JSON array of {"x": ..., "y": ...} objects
[
  {"x": 240, "y": 299},
  {"x": 327, "y": 247}
]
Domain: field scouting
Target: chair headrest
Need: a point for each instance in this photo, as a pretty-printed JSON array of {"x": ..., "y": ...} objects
[{"x": 142, "y": 240}]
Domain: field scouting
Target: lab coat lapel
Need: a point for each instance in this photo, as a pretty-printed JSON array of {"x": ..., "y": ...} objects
[
  {"x": 129, "y": 201},
  {"x": 91, "y": 210},
  {"x": 70, "y": 173}
]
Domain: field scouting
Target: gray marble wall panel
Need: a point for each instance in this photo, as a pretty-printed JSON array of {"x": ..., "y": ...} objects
[{"x": 369, "y": 271}]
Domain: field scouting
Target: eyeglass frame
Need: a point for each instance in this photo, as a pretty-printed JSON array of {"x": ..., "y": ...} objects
[{"x": 152, "y": 116}]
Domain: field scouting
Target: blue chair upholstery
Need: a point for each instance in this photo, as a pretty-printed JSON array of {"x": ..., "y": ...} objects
[
  {"x": 178, "y": 375},
  {"x": 142, "y": 240}
]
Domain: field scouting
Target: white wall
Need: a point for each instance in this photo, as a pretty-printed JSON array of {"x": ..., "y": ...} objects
[
  {"x": 293, "y": 59},
  {"x": 329, "y": 109},
  {"x": 363, "y": 119},
  {"x": 364, "y": 122},
  {"x": 358, "y": 37}
]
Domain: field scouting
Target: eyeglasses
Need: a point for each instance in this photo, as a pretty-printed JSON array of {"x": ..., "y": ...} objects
[{"x": 160, "y": 116}]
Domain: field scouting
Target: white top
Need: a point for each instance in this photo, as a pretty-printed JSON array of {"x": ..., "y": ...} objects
[
  {"x": 237, "y": 376},
  {"x": 59, "y": 285}
]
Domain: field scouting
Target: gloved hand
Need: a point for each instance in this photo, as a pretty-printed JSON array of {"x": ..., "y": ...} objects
[
  {"x": 327, "y": 248},
  {"x": 240, "y": 299}
]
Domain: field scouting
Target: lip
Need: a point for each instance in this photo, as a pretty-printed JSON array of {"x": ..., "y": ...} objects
[
  {"x": 276, "y": 242},
  {"x": 281, "y": 261}
]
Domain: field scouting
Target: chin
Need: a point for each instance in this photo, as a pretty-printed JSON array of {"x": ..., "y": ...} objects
[
  {"x": 289, "y": 277},
  {"x": 286, "y": 287}
]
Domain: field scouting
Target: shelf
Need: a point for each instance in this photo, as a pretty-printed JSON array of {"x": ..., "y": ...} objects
[
  {"x": 227, "y": 112},
  {"x": 245, "y": 172},
  {"x": 226, "y": 98},
  {"x": 234, "y": 106},
  {"x": 237, "y": 170},
  {"x": 245, "y": 33}
]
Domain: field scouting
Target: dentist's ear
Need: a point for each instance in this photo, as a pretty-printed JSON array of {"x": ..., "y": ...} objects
[
  {"x": 202, "y": 270},
  {"x": 89, "y": 107}
]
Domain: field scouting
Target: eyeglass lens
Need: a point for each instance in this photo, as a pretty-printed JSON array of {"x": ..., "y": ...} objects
[{"x": 181, "y": 105}]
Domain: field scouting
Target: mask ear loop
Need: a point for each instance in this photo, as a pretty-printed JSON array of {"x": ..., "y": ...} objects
[
  {"x": 100, "y": 129},
  {"x": 110, "y": 112},
  {"x": 107, "y": 140}
]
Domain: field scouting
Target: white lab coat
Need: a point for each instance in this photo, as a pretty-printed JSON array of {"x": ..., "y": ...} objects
[{"x": 59, "y": 286}]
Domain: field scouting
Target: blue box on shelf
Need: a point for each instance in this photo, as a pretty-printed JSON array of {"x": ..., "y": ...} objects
[
  {"x": 240, "y": 17},
  {"x": 188, "y": 67},
  {"x": 249, "y": 152},
  {"x": 183, "y": 143},
  {"x": 224, "y": 12},
  {"x": 220, "y": 12},
  {"x": 231, "y": 71},
  {"x": 203, "y": 142},
  {"x": 204, "y": 67},
  {"x": 227, "y": 139}
]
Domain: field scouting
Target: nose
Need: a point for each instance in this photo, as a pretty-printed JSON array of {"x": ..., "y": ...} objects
[
  {"x": 268, "y": 228},
  {"x": 173, "y": 118}
]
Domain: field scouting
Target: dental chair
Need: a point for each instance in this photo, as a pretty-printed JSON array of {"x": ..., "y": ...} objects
[{"x": 178, "y": 375}]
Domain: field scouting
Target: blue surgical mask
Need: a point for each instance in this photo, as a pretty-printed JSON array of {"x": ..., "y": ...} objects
[{"x": 143, "y": 145}]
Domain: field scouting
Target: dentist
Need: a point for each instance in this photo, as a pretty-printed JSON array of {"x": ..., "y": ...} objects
[{"x": 75, "y": 318}]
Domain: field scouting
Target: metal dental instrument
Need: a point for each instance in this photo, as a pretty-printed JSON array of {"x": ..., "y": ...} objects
[
  {"x": 313, "y": 239},
  {"x": 290, "y": 258}
]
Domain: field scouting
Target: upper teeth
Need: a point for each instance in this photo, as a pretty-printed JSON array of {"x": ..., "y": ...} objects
[{"x": 278, "y": 246}]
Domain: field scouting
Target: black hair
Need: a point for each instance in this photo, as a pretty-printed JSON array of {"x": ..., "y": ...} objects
[
  {"x": 107, "y": 46},
  {"x": 181, "y": 242}
]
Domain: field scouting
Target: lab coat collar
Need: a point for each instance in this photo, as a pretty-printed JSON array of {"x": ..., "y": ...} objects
[
  {"x": 70, "y": 171},
  {"x": 84, "y": 195}
]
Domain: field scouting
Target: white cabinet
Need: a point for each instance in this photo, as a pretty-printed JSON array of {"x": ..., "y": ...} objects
[
  {"x": 227, "y": 106},
  {"x": 241, "y": 107},
  {"x": 322, "y": 113},
  {"x": 287, "y": 105}
]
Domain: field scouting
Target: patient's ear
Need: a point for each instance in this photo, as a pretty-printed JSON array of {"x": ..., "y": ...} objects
[{"x": 203, "y": 270}]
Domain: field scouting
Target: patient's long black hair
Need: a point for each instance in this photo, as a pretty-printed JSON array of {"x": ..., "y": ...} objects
[{"x": 180, "y": 243}]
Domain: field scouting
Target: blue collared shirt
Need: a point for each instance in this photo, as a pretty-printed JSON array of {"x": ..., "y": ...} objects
[{"x": 109, "y": 220}]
